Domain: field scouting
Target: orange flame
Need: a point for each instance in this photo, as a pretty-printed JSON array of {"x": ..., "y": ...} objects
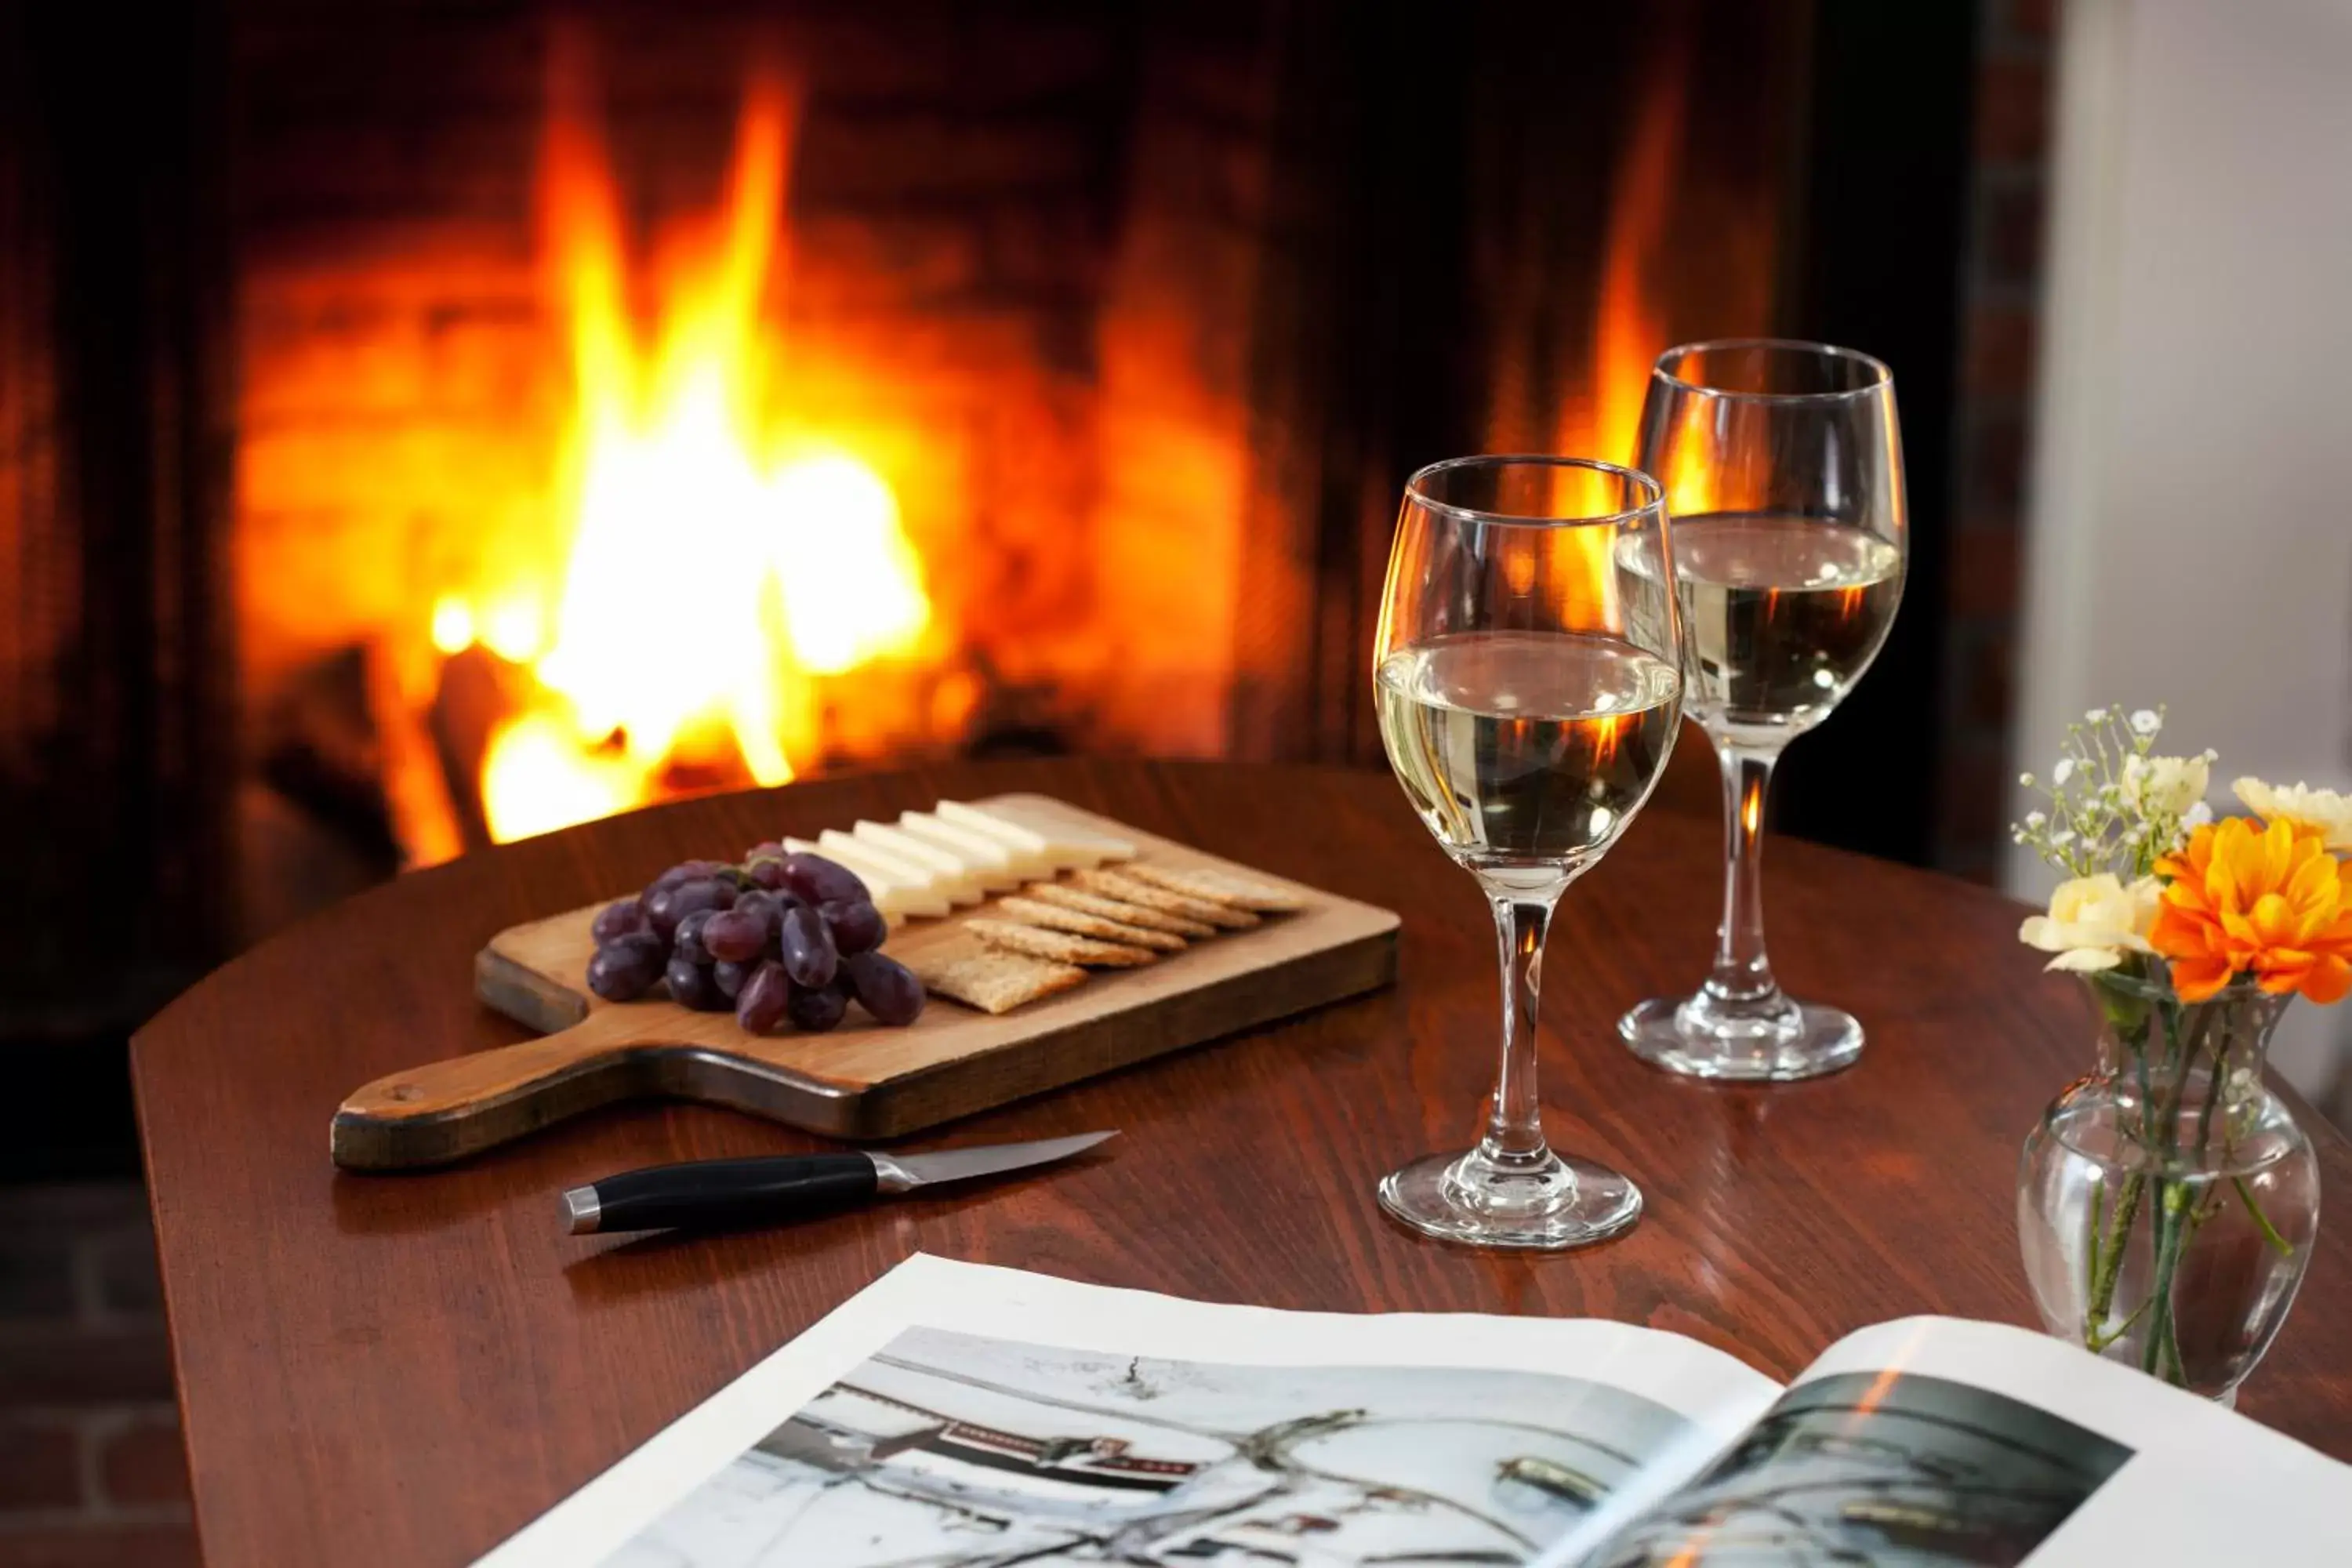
[
  {"x": 1629, "y": 331},
  {"x": 1629, "y": 335},
  {"x": 713, "y": 569},
  {"x": 1633, "y": 335}
]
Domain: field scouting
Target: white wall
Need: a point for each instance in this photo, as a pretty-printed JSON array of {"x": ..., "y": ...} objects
[{"x": 2190, "y": 529}]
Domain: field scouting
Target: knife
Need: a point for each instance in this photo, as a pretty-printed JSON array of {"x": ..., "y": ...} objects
[{"x": 706, "y": 1194}]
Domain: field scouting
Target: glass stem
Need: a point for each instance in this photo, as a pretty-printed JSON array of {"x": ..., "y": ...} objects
[
  {"x": 1515, "y": 1140},
  {"x": 1742, "y": 973}
]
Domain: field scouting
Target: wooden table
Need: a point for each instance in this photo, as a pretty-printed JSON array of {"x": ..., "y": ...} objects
[{"x": 405, "y": 1370}]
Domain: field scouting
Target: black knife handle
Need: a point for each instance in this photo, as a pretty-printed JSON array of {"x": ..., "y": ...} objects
[{"x": 723, "y": 1194}]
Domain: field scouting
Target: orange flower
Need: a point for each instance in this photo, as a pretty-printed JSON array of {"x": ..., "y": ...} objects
[{"x": 2271, "y": 902}]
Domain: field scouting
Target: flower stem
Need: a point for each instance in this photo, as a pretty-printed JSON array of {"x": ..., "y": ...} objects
[
  {"x": 2099, "y": 1342},
  {"x": 2103, "y": 1281},
  {"x": 2285, "y": 1248},
  {"x": 2162, "y": 1343},
  {"x": 2213, "y": 1091},
  {"x": 2098, "y": 1215}
]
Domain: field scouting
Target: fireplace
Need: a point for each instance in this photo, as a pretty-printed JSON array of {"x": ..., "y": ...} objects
[
  {"x": 754, "y": 399},
  {"x": 427, "y": 424}
]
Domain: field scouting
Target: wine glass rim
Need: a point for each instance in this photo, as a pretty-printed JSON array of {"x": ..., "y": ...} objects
[
  {"x": 1881, "y": 378},
  {"x": 1654, "y": 506}
]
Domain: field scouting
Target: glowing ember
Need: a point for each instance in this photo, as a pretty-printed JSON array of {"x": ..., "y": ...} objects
[
  {"x": 712, "y": 570},
  {"x": 453, "y": 625},
  {"x": 537, "y": 779}
]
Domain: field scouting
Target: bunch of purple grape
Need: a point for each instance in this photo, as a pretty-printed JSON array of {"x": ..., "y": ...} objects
[{"x": 778, "y": 937}]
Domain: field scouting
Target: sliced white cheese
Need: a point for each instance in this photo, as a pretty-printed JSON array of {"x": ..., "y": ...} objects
[
  {"x": 1064, "y": 847},
  {"x": 949, "y": 873},
  {"x": 957, "y": 875},
  {"x": 898, "y": 891},
  {"x": 855, "y": 851},
  {"x": 998, "y": 866},
  {"x": 996, "y": 828}
]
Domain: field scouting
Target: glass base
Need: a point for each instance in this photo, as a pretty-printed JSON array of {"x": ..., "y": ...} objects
[
  {"x": 1552, "y": 1204},
  {"x": 1771, "y": 1040}
]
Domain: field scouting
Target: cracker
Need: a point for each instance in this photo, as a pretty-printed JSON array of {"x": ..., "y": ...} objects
[
  {"x": 1058, "y": 945},
  {"x": 1113, "y": 909},
  {"x": 1054, "y": 917},
  {"x": 1220, "y": 888},
  {"x": 989, "y": 978},
  {"x": 1128, "y": 890}
]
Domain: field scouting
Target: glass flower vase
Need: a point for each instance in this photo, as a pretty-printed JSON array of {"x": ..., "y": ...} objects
[{"x": 2167, "y": 1203}]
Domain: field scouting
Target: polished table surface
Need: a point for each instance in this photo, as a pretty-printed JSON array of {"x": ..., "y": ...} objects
[{"x": 406, "y": 1369}]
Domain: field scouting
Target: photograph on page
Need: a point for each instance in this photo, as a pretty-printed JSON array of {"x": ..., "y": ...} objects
[
  {"x": 951, "y": 1450},
  {"x": 1887, "y": 1469}
]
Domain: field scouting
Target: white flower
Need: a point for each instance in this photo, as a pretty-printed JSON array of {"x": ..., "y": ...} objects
[
  {"x": 2164, "y": 787},
  {"x": 2091, "y": 920},
  {"x": 2061, "y": 773},
  {"x": 2025, "y": 779},
  {"x": 2197, "y": 816},
  {"x": 2302, "y": 806},
  {"x": 2035, "y": 819},
  {"x": 2093, "y": 715},
  {"x": 2059, "y": 840},
  {"x": 2144, "y": 722}
]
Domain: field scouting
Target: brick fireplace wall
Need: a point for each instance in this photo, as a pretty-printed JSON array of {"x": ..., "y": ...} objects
[{"x": 2001, "y": 331}]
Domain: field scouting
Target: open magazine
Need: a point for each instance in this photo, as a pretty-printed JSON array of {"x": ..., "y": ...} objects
[{"x": 953, "y": 1415}]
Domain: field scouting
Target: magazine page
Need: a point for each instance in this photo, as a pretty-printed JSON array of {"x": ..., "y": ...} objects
[
  {"x": 955, "y": 1415},
  {"x": 1937, "y": 1443}
]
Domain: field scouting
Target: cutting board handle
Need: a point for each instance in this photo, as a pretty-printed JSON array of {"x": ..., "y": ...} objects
[{"x": 445, "y": 1111}]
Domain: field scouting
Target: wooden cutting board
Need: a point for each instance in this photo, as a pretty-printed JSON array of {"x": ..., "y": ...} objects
[{"x": 863, "y": 1080}]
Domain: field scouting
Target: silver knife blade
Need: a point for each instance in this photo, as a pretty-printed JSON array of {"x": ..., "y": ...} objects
[{"x": 900, "y": 1172}]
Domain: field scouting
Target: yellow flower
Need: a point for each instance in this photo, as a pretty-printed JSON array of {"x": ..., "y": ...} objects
[
  {"x": 2320, "y": 811},
  {"x": 2092, "y": 920}
]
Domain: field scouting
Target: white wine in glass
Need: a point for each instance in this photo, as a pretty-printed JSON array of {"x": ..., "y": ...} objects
[
  {"x": 1780, "y": 616},
  {"x": 1783, "y": 466},
  {"x": 1529, "y": 688},
  {"x": 1526, "y": 749}
]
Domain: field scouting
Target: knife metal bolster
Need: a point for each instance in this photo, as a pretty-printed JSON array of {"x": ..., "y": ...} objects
[
  {"x": 890, "y": 1176},
  {"x": 582, "y": 1210}
]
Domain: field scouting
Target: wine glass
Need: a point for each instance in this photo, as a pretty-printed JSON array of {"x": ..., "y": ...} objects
[
  {"x": 1783, "y": 466},
  {"x": 1530, "y": 690}
]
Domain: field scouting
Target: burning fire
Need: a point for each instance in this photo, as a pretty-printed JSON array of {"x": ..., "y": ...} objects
[
  {"x": 716, "y": 564},
  {"x": 1629, "y": 329},
  {"x": 1629, "y": 335}
]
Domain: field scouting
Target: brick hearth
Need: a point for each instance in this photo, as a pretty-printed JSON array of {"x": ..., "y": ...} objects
[{"x": 91, "y": 1471}]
